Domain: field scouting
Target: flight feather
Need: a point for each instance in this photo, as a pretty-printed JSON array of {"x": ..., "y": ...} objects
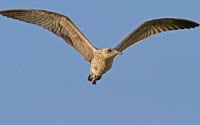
[
  {"x": 58, "y": 24},
  {"x": 153, "y": 27}
]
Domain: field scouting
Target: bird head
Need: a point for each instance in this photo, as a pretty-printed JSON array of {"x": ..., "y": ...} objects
[{"x": 110, "y": 52}]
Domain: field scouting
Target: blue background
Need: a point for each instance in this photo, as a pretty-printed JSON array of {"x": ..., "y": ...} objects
[{"x": 43, "y": 81}]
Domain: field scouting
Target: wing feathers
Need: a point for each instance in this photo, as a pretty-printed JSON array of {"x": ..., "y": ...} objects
[
  {"x": 153, "y": 27},
  {"x": 62, "y": 26},
  {"x": 59, "y": 24}
]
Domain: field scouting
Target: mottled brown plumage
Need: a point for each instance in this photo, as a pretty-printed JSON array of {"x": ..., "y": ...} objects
[{"x": 100, "y": 59}]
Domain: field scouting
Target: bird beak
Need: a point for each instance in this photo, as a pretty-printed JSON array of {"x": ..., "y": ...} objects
[{"x": 119, "y": 53}]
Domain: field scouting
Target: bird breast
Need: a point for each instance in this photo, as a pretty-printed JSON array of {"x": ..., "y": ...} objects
[{"x": 100, "y": 65}]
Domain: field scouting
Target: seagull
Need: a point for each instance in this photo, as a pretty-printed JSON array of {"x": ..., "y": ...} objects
[{"x": 100, "y": 60}]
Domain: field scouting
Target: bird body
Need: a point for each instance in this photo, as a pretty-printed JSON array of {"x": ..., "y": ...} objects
[
  {"x": 100, "y": 60},
  {"x": 101, "y": 63}
]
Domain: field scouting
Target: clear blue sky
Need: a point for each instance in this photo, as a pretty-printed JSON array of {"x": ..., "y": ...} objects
[{"x": 43, "y": 81}]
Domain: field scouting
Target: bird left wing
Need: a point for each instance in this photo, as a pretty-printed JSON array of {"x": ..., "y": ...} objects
[
  {"x": 58, "y": 24},
  {"x": 153, "y": 27}
]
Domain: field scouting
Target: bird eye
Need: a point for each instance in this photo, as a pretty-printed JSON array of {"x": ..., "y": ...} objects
[{"x": 109, "y": 50}]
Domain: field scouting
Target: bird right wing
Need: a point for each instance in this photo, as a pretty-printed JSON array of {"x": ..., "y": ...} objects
[
  {"x": 153, "y": 27},
  {"x": 59, "y": 24}
]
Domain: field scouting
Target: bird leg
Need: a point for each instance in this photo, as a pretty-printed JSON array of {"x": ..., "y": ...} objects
[
  {"x": 94, "y": 81},
  {"x": 92, "y": 78}
]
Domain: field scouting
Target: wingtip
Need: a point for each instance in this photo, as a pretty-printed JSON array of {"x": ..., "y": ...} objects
[
  {"x": 3, "y": 12},
  {"x": 195, "y": 24}
]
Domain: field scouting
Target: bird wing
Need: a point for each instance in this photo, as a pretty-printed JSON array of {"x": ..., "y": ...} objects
[
  {"x": 153, "y": 27},
  {"x": 58, "y": 24}
]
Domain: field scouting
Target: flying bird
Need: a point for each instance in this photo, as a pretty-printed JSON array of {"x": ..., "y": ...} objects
[{"x": 100, "y": 59}]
